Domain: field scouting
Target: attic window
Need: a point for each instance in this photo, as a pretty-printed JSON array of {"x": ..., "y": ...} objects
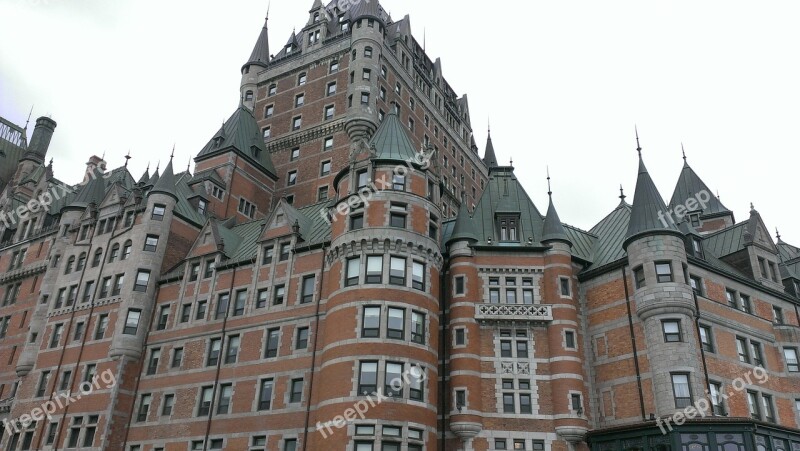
[
  {"x": 695, "y": 219},
  {"x": 316, "y": 17},
  {"x": 218, "y": 141},
  {"x": 508, "y": 228}
]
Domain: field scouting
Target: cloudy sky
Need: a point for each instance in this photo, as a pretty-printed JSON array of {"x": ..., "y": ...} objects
[{"x": 563, "y": 82}]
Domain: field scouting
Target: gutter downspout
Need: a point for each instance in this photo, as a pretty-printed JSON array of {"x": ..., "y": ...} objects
[
  {"x": 633, "y": 343},
  {"x": 314, "y": 351}
]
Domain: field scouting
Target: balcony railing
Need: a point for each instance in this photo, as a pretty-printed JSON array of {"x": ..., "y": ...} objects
[{"x": 514, "y": 312}]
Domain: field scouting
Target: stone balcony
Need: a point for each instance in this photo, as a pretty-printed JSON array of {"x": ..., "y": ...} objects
[{"x": 535, "y": 313}]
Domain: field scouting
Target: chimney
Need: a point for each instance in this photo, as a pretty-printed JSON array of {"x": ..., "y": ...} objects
[
  {"x": 95, "y": 167},
  {"x": 40, "y": 140}
]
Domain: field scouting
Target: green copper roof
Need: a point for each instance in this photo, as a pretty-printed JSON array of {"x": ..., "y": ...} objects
[
  {"x": 243, "y": 136},
  {"x": 92, "y": 192},
  {"x": 392, "y": 142},
  {"x": 504, "y": 194},
  {"x": 553, "y": 229},
  {"x": 260, "y": 54},
  {"x": 463, "y": 227},
  {"x": 166, "y": 183},
  {"x": 489, "y": 157},
  {"x": 611, "y": 232},
  {"x": 145, "y": 177},
  {"x": 649, "y": 212},
  {"x": 690, "y": 186}
]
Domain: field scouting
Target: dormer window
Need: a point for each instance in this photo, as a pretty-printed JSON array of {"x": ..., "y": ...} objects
[
  {"x": 218, "y": 141},
  {"x": 509, "y": 228},
  {"x": 695, "y": 219},
  {"x": 289, "y": 49},
  {"x": 697, "y": 247},
  {"x": 316, "y": 17}
]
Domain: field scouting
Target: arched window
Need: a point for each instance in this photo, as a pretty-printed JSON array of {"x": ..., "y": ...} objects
[
  {"x": 70, "y": 262},
  {"x": 126, "y": 251},
  {"x": 81, "y": 261},
  {"x": 112, "y": 256},
  {"x": 98, "y": 256},
  {"x": 248, "y": 96}
]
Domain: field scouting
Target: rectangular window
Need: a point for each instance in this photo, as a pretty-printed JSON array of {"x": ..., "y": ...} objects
[
  {"x": 730, "y": 296},
  {"x": 158, "y": 212},
  {"x": 790, "y": 354},
  {"x": 327, "y": 144},
  {"x": 43, "y": 381},
  {"x": 752, "y": 403},
  {"x": 508, "y": 403},
  {"x": 705, "y": 338},
  {"x": 374, "y": 269},
  {"x": 511, "y": 296},
  {"x": 232, "y": 353},
  {"x": 330, "y": 110},
  {"x": 273, "y": 338},
  {"x": 151, "y": 243},
  {"x": 325, "y": 169},
  {"x": 265, "y": 394},
  {"x": 460, "y": 337},
  {"x": 331, "y": 88},
  {"x": 777, "y": 315},
  {"x": 664, "y": 272},
  {"x": 163, "y": 317},
  {"x": 142, "y": 279},
  {"x": 715, "y": 393},
  {"x": 224, "y": 402},
  {"x": 367, "y": 378},
  {"x": 167, "y": 405},
  {"x": 371, "y": 323},
  {"x": 56, "y": 338},
  {"x": 201, "y": 310},
  {"x": 745, "y": 303},
  {"x": 741, "y": 349},
  {"x": 758, "y": 358},
  {"x": 522, "y": 349},
  {"x": 222, "y": 306},
  {"x": 397, "y": 271},
  {"x": 569, "y": 337},
  {"x": 365, "y": 98},
  {"x": 261, "y": 300},
  {"x": 291, "y": 178},
  {"x": 214, "y": 348},
  {"x": 297, "y": 122},
  {"x": 284, "y": 256},
  {"x": 296, "y": 393},
  {"x": 177, "y": 357},
  {"x": 353, "y": 271},
  {"x": 322, "y": 193},
  {"x": 672, "y": 331},
  {"x": 769, "y": 410},
  {"x": 416, "y": 389},
  {"x": 301, "y": 342},
  {"x": 205, "y": 401},
  {"x": 356, "y": 221},
  {"x": 362, "y": 178},
  {"x": 102, "y": 324},
  {"x": 697, "y": 285},
  {"x": 395, "y": 323},
  {"x": 239, "y": 303},
  {"x": 144, "y": 407},
  {"x": 418, "y": 327},
  {"x": 525, "y": 405},
  {"x": 565, "y": 288},
  {"x": 394, "y": 373},
  {"x": 152, "y": 363},
  {"x": 681, "y": 391},
  {"x": 307, "y": 293},
  {"x": 267, "y": 256},
  {"x": 418, "y": 275},
  {"x": 279, "y": 294},
  {"x": 505, "y": 348},
  {"x": 459, "y": 283},
  {"x": 638, "y": 276},
  {"x": 132, "y": 322}
]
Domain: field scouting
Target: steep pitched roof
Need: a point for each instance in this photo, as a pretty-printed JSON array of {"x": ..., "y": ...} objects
[
  {"x": 611, "y": 232},
  {"x": 260, "y": 54},
  {"x": 462, "y": 228},
  {"x": 489, "y": 157},
  {"x": 391, "y": 141},
  {"x": 553, "y": 230},
  {"x": 243, "y": 136},
  {"x": 504, "y": 194},
  {"x": 166, "y": 183},
  {"x": 690, "y": 186},
  {"x": 92, "y": 192},
  {"x": 648, "y": 214},
  {"x": 145, "y": 177}
]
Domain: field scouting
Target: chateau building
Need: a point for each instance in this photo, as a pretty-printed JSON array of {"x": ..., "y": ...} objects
[{"x": 342, "y": 270}]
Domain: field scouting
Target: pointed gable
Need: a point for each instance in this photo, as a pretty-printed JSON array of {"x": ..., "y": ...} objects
[
  {"x": 691, "y": 186},
  {"x": 505, "y": 197},
  {"x": 241, "y": 135}
]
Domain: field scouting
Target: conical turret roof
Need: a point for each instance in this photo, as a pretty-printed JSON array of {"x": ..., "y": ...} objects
[
  {"x": 649, "y": 213},
  {"x": 260, "y": 54},
  {"x": 553, "y": 229},
  {"x": 166, "y": 183}
]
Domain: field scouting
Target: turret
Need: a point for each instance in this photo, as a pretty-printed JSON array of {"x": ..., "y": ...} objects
[
  {"x": 259, "y": 58},
  {"x": 40, "y": 140},
  {"x": 664, "y": 298},
  {"x": 136, "y": 306}
]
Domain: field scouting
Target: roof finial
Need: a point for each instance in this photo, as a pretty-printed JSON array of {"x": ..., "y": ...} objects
[
  {"x": 718, "y": 195},
  {"x": 127, "y": 157},
  {"x": 752, "y": 208},
  {"x": 51, "y": 162},
  {"x": 638, "y": 147},
  {"x": 157, "y": 165},
  {"x": 29, "y": 118},
  {"x": 684, "y": 153},
  {"x": 489, "y": 123},
  {"x": 269, "y": 3},
  {"x": 424, "y": 38},
  {"x": 549, "y": 190},
  {"x": 511, "y": 161},
  {"x": 173, "y": 152},
  {"x": 189, "y": 164},
  {"x": 778, "y": 234},
  {"x": 103, "y": 157},
  {"x": 148, "y": 167},
  {"x": 621, "y": 193}
]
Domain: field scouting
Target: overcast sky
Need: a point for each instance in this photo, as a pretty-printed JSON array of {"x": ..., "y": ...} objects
[{"x": 564, "y": 82}]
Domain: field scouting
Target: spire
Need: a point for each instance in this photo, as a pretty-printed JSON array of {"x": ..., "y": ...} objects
[
  {"x": 685, "y": 163},
  {"x": 127, "y": 157},
  {"x": 146, "y": 176},
  {"x": 166, "y": 183},
  {"x": 260, "y": 54},
  {"x": 638, "y": 146},
  {"x": 691, "y": 186},
  {"x": 489, "y": 157},
  {"x": 553, "y": 229},
  {"x": 154, "y": 179},
  {"x": 649, "y": 213}
]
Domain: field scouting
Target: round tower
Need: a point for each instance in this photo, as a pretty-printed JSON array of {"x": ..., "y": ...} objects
[
  {"x": 663, "y": 297},
  {"x": 384, "y": 271},
  {"x": 569, "y": 397},
  {"x": 136, "y": 308},
  {"x": 464, "y": 400},
  {"x": 367, "y": 28}
]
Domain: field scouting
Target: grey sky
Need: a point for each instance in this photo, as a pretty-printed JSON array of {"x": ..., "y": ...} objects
[{"x": 563, "y": 82}]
